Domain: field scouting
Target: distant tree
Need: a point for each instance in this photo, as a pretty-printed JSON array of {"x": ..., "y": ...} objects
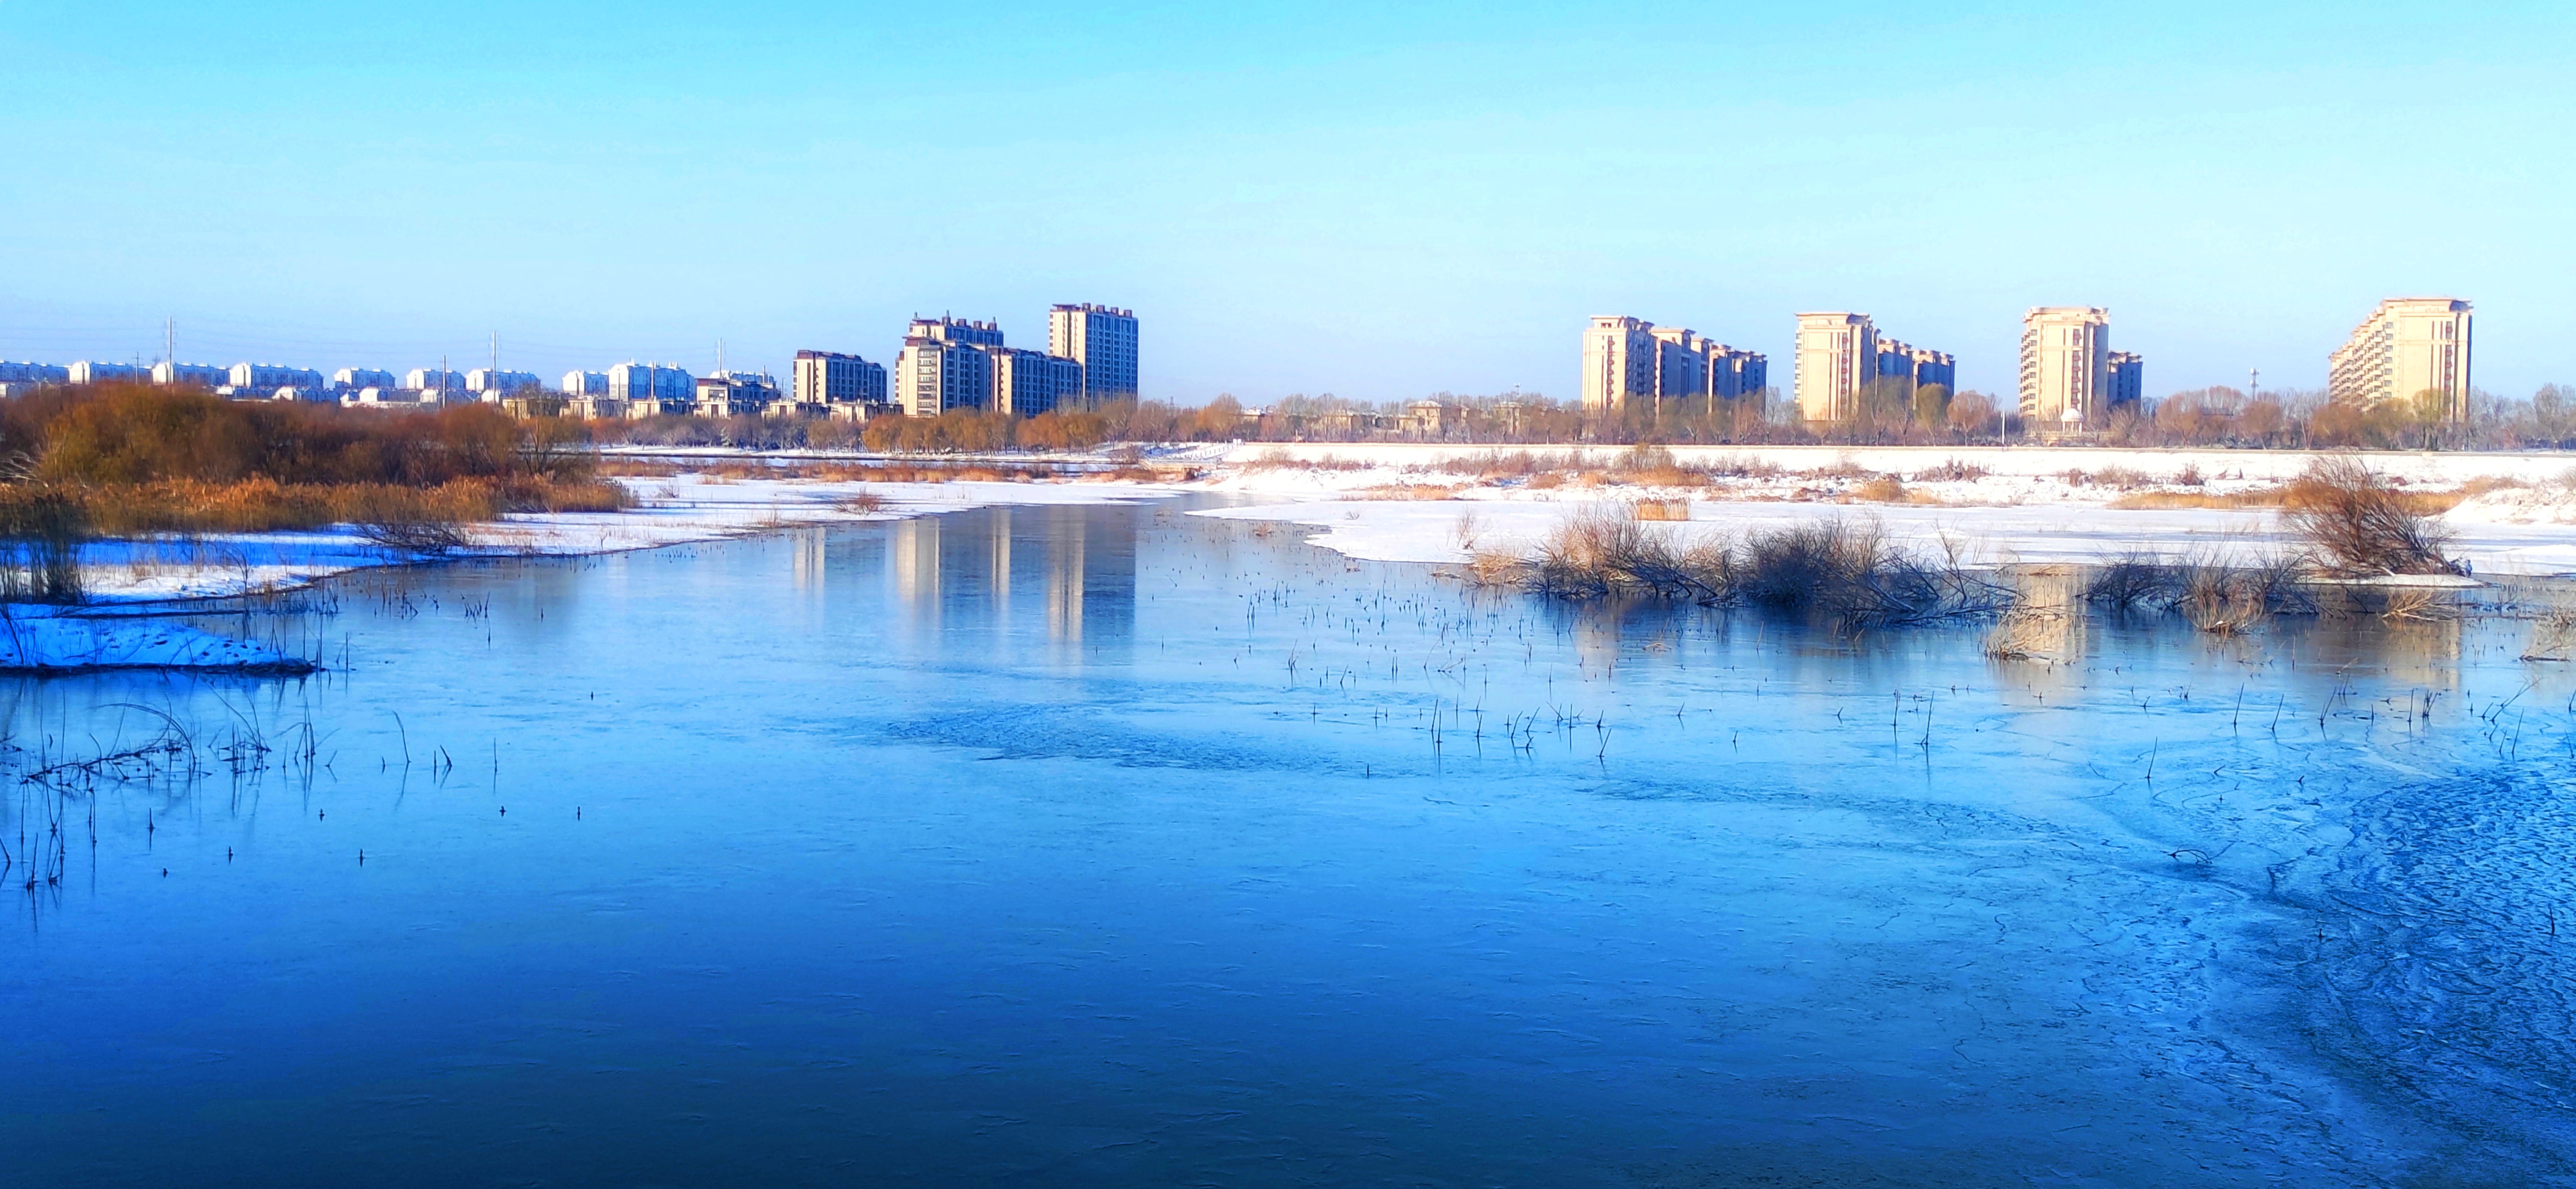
[{"x": 1972, "y": 414}]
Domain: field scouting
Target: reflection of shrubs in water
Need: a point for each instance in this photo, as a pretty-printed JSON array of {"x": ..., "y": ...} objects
[
  {"x": 2217, "y": 594},
  {"x": 1847, "y": 572},
  {"x": 2553, "y": 636}
]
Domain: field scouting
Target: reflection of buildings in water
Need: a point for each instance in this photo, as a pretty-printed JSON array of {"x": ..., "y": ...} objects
[
  {"x": 1065, "y": 582},
  {"x": 2050, "y": 624},
  {"x": 810, "y": 558},
  {"x": 912, "y": 569},
  {"x": 968, "y": 567}
]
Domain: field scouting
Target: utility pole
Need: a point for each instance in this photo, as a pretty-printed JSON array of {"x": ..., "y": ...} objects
[
  {"x": 170, "y": 341},
  {"x": 2253, "y": 381},
  {"x": 442, "y": 381},
  {"x": 496, "y": 352}
]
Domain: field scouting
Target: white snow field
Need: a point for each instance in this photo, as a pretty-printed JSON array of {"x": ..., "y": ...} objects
[{"x": 1400, "y": 503}]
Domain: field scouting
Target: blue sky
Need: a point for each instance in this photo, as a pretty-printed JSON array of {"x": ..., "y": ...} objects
[{"x": 1374, "y": 200}]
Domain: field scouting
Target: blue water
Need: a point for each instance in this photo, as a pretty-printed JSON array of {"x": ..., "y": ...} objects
[{"x": 1117, "y": 846}]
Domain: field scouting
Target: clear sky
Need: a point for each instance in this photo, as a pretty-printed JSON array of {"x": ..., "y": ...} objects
[{"x": 1376, "y": 200}]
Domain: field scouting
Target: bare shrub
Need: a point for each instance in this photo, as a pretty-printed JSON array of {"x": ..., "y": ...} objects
[
  {"x": 2353, "y": 522},
  {"x": 429, "y": 538},
  {"x": 2129, "y": 581},
  {"x": 1952, "y": 471},
  {"x": 1748, "y": 466},
  {"x": 1846, "y": 573},
  {"x": 2188, "y": 476},
  {"x": 1467, "y": 531},
  {"x": 2229, "y": 598},
  {"x": 865, "y": 502}
]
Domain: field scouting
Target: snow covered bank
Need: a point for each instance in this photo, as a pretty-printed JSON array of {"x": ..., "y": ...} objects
[
  {"x": 670, "y": 511},
  {"x": 2033, "y": 504},
  {"x": 39, "y": 641}
]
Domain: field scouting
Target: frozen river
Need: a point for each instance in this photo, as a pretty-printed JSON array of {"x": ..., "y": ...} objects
[{"x": 1109, "y": 845}]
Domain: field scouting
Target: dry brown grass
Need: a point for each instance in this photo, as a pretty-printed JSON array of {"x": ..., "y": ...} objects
[
  {"x": 1661, "y": 509},
  {"x": 2025, "y": 633},
  {"x": 1406, "y": 491},
  {"x": 1885, "y": 489},
  {"x": 2269, "y": 497}
]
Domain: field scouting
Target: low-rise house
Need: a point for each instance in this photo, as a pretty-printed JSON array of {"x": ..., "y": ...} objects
[{"x": 734, "y": 394}]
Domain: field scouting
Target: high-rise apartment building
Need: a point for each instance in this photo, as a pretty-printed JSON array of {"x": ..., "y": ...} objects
[
  {"x": 34, "y": 373},
  {"x": 493, "y": 384},
  {"x": 2065, "y": 368},
  {"x": 2409, "y": 347},
  {"x": 1837, "y": 358},
  {"x": 2126, "y": 386},
  {"x": 1619, "y": 356},
  {"x": 1027, "y": 383},
  {"x": 937, "y": 372},
  {"x": 831, "y": 378},
  {"x": 92, "y": 372},
  {"x": 361, "y": 377},
  {"x": 1103, "y": 340},
  {"x": 191, "y": 375},
  {"x": 270, "y": 375},
  {"x": 649, "y": 383},
  {"x": 1632, "y": 360}
]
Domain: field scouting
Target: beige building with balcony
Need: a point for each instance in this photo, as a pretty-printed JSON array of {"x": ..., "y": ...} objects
[
  {"x": 1837, "y": 357},
  {"x": 1632, "y": 360},
  {"x": 2065, "y": 369},
  {"x": 2409, "y": 346}
]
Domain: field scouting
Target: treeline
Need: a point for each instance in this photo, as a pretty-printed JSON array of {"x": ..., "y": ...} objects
[
  {"x": 1883, "y": 416},
  {"x": 139, "y": 459}
]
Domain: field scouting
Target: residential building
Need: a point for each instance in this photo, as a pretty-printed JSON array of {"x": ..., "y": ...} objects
[
  {"x": 1735, "y": 375},
  {"x": 1103, "y": 340},
  {"x": 943, "y": 366},
  {"x": 492, "y": 384},
  {"x": 578, "y": 383},
  {"x": 2065, "y": 368},
  {"x": 89, "y": 372},
  {"x": 733, "y": 394},
  {"x": 430, "y": 379},
  {"x": 1619, "y": 357},
  {"x": 2407, "y": 348},
  {"x": 830, "y": 378},
  {"x": 1027, "y": 383},
  {"x": 650, "y": 389},
  {"x": 361, "y": 377},
  {"x": 1837, "y": 357},
  {"x": 189, "y": 375},
  {"x": 956, "y": 330},
  {"x": 309, "y": 394},
  {"x": 273, "y": 376},
  {"x": 2125, "y": 387},
  {"x": 34, "y": 373},
  {"x": 1630, "y": 359},
  {"x": 1919, "y": 367},
  {"x": 1429, "y": 418}
]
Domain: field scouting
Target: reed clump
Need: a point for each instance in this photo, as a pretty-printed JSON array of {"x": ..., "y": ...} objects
[
  {"x": 2217, "y": 593},
  {"x": 2553, "y": 636},
  {"x": 1848, "y": 573}
]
